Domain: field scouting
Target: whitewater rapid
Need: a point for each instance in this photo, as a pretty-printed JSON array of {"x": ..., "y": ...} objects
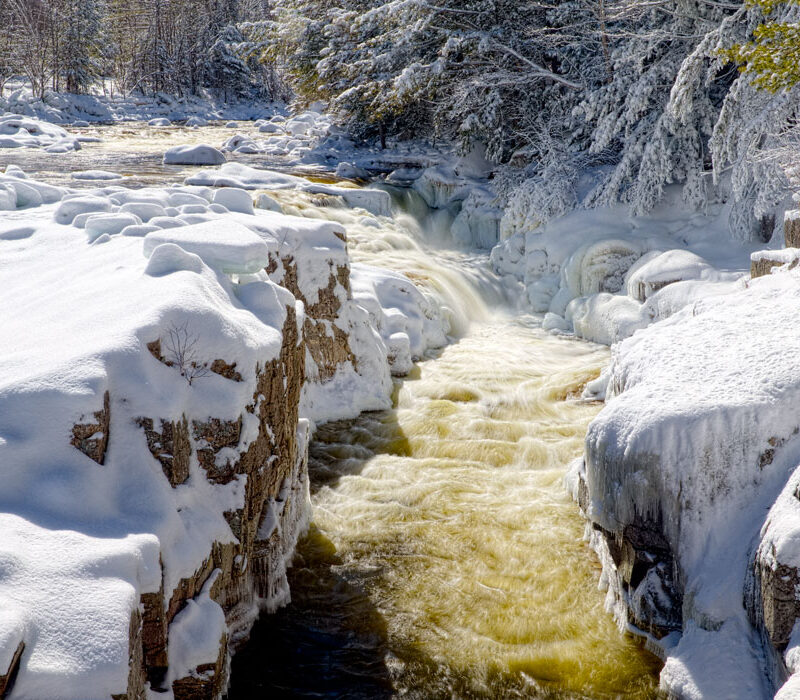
[{"x": 446, "y": 559}]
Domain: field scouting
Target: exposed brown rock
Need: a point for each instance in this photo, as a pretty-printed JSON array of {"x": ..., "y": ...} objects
[
  {"x": 780, "y": 604},
  {"x": 215, "y": 434},
  {"x": 327, "y": 344},
  {"x": 791, "y": 230},
  {"x": 170, "y": 447},
  {"x": 208, "y": 680},
  {"x": 92, "y": 438},
  {"x": 9, "y": 676},
  {"x": 154, "y": 346},
  {"x": 154, "y": 637},
  {"x": 645, "y": 565},
  {"x": 243, "y": 567},
  {"x": 225, "y": 370},
  {"x": 763, "y": 266},
  {"x": 136, "y": 670}
]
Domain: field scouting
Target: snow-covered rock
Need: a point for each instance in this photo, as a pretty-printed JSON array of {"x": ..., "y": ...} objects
[
  {"x": 227, "y": 245},
  {"x": 96, "y": 175},
  {"x": 234, "y": 199},
  {"x": 17, "y": 131},
  {"x": 351, "y": 171},
  {"x": 690, "y": 479},
  {"x": 652, "y": 266},
  {"x": 199, "y": 154}
]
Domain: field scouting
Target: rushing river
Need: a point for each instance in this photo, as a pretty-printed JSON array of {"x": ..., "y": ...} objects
[{"x": 445, "y": 559}]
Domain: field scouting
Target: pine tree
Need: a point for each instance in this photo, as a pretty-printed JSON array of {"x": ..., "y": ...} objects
[{"x": 81, "y": 39}]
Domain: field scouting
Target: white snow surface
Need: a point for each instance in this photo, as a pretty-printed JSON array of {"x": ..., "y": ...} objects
[
  {"x": 17, "y": 131},
  {"x": 226, "y": 245},
  {"x": 604, "y": 274},
  {"x": 199, "y": 154}
]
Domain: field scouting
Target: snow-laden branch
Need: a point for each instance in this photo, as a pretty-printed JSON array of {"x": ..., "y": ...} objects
[{"x": 536, "y": 68}]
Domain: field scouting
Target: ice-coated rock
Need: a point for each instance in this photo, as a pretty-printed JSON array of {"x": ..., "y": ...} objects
[{"x": 350, "y": 171}]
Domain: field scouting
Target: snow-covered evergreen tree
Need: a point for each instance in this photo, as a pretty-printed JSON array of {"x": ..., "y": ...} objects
[
  {"x": 82, "y": 40},
  {"x": 226, "y": 71}
]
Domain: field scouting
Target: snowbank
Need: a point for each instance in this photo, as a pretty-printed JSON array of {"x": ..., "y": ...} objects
[
  {"x": 605, "y": 274},
  {"x": 68, "y": 108},
  {"x": 697, "y": 441}
]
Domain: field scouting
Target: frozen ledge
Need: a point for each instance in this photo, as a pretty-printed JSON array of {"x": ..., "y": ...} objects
[{"x": 690, "y": 485}]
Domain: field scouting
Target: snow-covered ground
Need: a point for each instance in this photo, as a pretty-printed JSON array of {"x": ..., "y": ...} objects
[{"x": 68, "y": 108}]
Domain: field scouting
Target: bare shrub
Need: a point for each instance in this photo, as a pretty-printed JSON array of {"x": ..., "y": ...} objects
[{"x": 180, "y": 351}]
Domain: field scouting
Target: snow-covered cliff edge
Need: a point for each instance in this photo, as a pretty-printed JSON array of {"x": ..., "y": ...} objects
[{"x": 164, "y": 355}]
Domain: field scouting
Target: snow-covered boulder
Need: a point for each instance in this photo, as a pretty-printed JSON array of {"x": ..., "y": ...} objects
[
  {"x": 234, "y": 199},
  {"x": 97, "y": 225},
  {"x": 409, "y": 323},
  {"x": 241, "y": 144},
  {"x": 68, "y": 209},
  {"x": 200, "y": 154},
  {"x": 159, "y": 122},
  {"x": 226, "y": 245},
  {"x": 17, "y": 131},
  {"x": 351, "y": 171}
]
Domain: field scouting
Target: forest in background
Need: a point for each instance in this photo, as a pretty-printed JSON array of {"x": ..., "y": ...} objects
[{"x": 639, "y": 94}]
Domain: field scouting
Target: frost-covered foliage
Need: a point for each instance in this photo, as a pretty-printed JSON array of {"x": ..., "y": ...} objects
[
  {"x": 642, "y": 94},
  {"x": 463, "y": 70},
  {"x": 174, "y": 46}
]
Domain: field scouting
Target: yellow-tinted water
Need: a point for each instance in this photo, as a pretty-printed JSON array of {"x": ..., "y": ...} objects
[
  {"x": 452, "y": 511},
  {"x": 446, "y": 560}
]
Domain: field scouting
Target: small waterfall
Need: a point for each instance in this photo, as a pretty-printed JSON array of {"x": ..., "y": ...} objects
[{"x": 415, "y": 241}]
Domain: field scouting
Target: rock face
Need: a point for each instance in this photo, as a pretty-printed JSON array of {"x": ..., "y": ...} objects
[
  {"x": 248, "y": 573},
  {"x": 691, "y": 487},
  {"x": 327, "y": 343},
  {"x": 251, "y": 569}
]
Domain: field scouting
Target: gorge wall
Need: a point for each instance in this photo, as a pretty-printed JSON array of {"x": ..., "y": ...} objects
[
  {"x": 690, "y": 488},
  {"x": 155, "y": 424}
]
